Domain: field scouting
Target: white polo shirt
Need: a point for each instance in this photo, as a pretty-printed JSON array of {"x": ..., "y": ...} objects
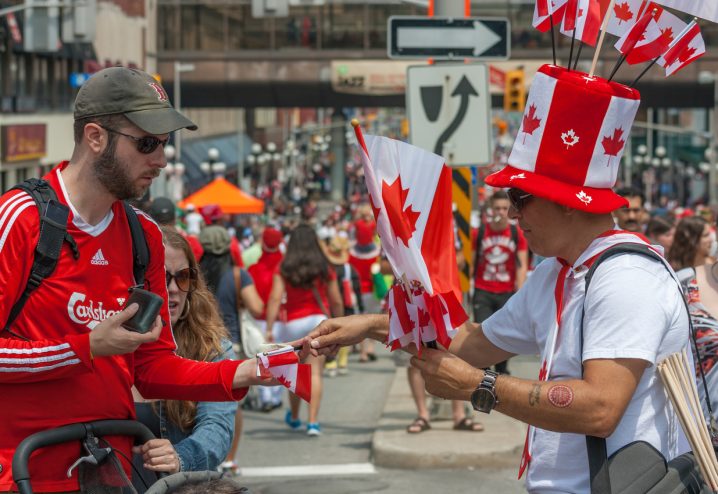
[{"x": 634, "y": 310}]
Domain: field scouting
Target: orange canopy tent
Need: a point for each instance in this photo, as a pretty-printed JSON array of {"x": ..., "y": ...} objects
[{"x": 229, "y": 198}]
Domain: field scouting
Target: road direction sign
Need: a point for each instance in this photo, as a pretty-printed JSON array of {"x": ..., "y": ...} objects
[
  {"x": 449, "y": 108},
  {"x": 446, "y": 38}
]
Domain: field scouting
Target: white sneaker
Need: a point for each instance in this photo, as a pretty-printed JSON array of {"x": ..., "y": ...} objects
[
  {"x": 314, "y": 429},
  {"x": 332, "y": 372}
]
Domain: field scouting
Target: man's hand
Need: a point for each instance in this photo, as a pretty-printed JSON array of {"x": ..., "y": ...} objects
[
  {"x": 331, "y": 334},
  {"x": 446, "y": 375},
  {"x": 110, "y": 338},
  {"x": 158, "y": 455}
]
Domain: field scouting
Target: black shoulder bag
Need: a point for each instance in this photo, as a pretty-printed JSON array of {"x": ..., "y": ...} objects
[{"x": 637, "y": 467}]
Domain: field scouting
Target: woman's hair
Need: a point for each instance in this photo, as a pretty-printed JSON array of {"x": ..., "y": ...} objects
[
  {"x": 213, "y": 266},
  {"x": 198, "y": 332},
  {"x": 682, "y": 253},
  {"x": 304, "y": 260},
  {"x": 658, "y": 225}
]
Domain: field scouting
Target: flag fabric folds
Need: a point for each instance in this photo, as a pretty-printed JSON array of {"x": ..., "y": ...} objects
[
  {"x": 546, "y": 11},
  {"x": 410, "y": 193},
  {"x": 661, "y": 30},
  {"x": 283, "y": 364}
]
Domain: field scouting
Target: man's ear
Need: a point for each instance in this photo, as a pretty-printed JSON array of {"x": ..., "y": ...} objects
[{"x": 96, "y": 137}]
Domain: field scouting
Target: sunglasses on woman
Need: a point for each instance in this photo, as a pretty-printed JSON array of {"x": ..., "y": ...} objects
[
  {"x": 145, "y": 144},
  {"x": 186, "y": 279},
  {"x": 518, "y": 198}
]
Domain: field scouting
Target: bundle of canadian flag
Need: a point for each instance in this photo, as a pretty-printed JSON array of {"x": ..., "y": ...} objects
[
  {"x": 410, "y": 193},
  {"x": 645, "y": 29},
  {"x": 283, "y": 365}
]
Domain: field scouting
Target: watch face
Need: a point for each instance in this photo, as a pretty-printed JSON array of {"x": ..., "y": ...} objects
[{"x": 483, "y": 400}]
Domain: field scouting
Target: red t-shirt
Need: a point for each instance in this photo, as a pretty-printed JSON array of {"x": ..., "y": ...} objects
[
  {"x": 301, "y": 302},
  {"x": 52, "y": 380},
  {"x": 496, "y": 272},
  {"x": 262, "y": 273}
]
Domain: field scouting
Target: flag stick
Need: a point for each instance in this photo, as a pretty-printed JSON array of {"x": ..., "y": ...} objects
[
  {"x": 570, "y": 53},
  {"x": 600, "y": 38},
  {"x": 553, "y": 36},
  {"x": 578, "y": 55},
  {"x": 616, "y": 67},
  {"x": 653, "y": 62}
]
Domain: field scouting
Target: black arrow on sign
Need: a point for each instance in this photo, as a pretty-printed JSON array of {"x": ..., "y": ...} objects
[{"x": 463, "y": 89}]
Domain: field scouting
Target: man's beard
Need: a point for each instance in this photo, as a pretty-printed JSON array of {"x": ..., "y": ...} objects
[{"x": 114, "y": 175}]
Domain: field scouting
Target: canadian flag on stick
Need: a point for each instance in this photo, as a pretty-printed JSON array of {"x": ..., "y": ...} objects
[
  {"x": 660, "y": 30},
  {"x": 410, "y": 193},
  {"x": 705, "y": 9},
  {"x": 686, "y": 48},
  {"x": 546, "y": 11},
  {"x": 283, "y": 364}
]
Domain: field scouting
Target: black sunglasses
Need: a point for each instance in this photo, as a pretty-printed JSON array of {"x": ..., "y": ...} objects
[
  {"x": 145, "y": 144},
  {"x": 518, "y": 198},
  {"x": 186, "y": 279}
]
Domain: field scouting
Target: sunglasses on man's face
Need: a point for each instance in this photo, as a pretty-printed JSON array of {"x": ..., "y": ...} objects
[
  {"x": 186, "y": 279},
  {"x": 518, "y": 198},
  {"x": 145, "y": 144}
]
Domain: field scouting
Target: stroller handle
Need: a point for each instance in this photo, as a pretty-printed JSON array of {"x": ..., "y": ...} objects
[{"x": 71, "y": 432}]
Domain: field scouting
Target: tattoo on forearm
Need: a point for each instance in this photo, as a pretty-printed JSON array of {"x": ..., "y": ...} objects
[
  {"x": 534, "y": 395},
  {"x": 560, "y": 395}
]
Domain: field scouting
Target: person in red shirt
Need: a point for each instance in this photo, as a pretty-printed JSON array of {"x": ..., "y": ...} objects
[
  {"x": 310, "y": 286},
  {"x": 362, "y": 256},
  {"x": 66, "y": 358},
  {"x": 501, "y": 262}
]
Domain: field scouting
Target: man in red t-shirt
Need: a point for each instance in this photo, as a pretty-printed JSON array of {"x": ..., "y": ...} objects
[{"x": 501, "y": 262}]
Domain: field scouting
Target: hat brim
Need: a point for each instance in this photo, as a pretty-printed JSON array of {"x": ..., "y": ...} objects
[
  {"x": 160, "y": 120},
  {"x": 589, "y": 199},
  {"x": 341, "y": 258}
]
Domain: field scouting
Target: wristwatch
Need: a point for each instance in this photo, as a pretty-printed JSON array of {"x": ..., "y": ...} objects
[{"x": 484, "y": 399}]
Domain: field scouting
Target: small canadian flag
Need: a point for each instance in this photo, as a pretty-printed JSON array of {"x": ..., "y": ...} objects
[{"x": 283, "y": 365}]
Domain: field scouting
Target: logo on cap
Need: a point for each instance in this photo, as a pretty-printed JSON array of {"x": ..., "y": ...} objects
[
  {"x": 569, "y": 138},
  {"x": 161, "y": 94},
  {"x": 520, "y": 175},
  {"x": 584, "y": 198}
]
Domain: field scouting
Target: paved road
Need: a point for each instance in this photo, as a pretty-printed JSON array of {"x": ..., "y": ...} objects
[{"x": 275, "y": 460}]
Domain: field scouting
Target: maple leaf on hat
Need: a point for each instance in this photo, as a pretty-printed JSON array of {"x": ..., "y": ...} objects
[
  {"x": 530, "y": 122},
  {"x": 612, "y": 145},
  {"x": 623, "y": 12},
  {"x": 569, "y": 138},
  {"x": 403, "y": 221}
]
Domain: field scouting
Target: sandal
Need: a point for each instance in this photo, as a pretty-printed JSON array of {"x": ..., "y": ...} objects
[
  {"x": 466, "y": 424},
  {"x": 419, "y": 425}
]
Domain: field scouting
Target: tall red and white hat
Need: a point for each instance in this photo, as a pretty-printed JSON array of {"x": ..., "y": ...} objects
[{"x": 571, "y": 140}]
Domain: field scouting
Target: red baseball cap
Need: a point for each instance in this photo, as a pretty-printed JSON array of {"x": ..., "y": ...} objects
[{"x": 271, "y": 238}]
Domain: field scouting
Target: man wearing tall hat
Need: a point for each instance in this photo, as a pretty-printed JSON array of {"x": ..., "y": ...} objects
[{"x": 599, "y": 349}]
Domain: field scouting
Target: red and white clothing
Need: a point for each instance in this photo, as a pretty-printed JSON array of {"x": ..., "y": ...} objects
[
  {"x": 634, "y": 310},
  {"x": 301, "y": 302},
  {"x": 496, "y": 272},
  {"x": 53, "y": 380},
  {"x": 362, "y": 262}
]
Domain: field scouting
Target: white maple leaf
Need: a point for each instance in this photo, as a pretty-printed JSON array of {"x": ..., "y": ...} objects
[
  {"x": 584, "y": 198},
  {"x": 569, "y": 138}
]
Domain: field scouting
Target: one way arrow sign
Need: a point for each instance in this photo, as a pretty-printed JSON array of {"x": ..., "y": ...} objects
[{"x": 446, "y": 38}]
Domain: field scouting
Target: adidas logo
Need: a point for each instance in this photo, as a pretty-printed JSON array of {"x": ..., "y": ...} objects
[
  {"x": 121, "y": 300},
  {"x": 98, "y": 259}
]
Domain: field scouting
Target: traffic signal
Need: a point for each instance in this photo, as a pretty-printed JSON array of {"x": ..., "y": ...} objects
[{"x": 515, "y": 91}]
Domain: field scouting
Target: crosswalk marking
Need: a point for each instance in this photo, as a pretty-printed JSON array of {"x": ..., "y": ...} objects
[{"x": 309, "y": 470}]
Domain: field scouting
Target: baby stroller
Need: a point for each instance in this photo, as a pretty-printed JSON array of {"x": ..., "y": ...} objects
[{"x": 101, "y": 455}]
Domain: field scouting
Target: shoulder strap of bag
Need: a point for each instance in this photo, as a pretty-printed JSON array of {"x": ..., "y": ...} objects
[
  {"x": 319, "y": 300},
  {"x": 515, "y": 238},
  {"x": 477, "y": 253},
  {"x": 53, "y": 234},
  {"x": 597, "y": 452},
  {"x": 140, "y": 251},
  {"x": 238, "y": 287}
]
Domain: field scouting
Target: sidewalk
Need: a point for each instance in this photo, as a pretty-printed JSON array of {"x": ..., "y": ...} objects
[{"x": 498, "y": 446}]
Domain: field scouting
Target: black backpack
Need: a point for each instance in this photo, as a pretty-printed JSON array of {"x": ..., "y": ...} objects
[{"x": 53, "y": 234}]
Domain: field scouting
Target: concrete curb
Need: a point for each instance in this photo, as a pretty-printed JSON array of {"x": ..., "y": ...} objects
[{"x": 498, "y": 446}]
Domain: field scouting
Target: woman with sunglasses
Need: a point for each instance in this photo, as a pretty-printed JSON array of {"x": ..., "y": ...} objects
[
  {"x": 311, "y": 289},
  {"x": 194, "y": 435}
]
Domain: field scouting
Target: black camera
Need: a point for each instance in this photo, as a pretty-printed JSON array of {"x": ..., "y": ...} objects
[{"x": 150, "y": 305}]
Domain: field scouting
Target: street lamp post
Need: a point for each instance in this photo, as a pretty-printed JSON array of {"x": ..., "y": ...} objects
[{"x": 213, "y": 167}]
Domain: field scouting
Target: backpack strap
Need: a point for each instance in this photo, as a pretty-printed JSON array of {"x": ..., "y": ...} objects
[
  {"x": 477, "y": 253},
  {"x": 596, "y": 446},
  {"x": 140, "y": 251},
  {"x": 53, "y": 233},
  {"x": 515, "y": 238},
  {"x": 237, "y": 275}
]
